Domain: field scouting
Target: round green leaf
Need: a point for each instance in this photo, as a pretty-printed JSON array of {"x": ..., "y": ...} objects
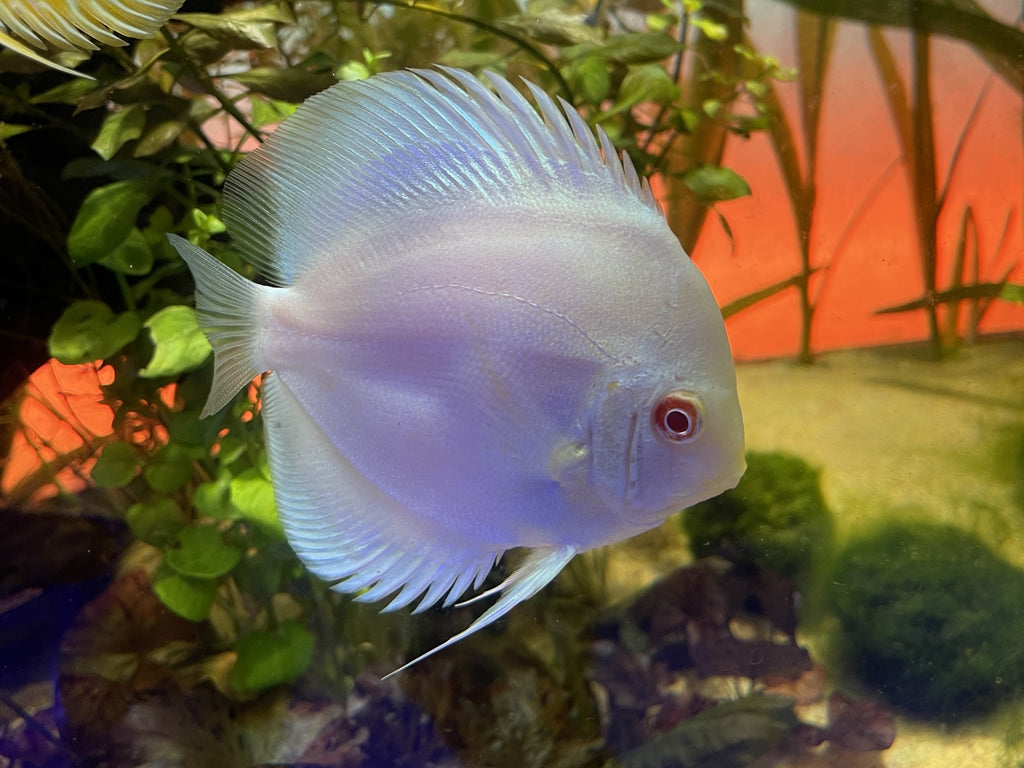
[
  {"x": 213, "y": 499},
  {"x": 89, "y": 330},
  {"x": 648, "y": 82},
  {"x": 132, "y": 257},
  {"x": 158, "y": 523},
  {"x": 253, "y": 495},
  {"x": 119, "y": 128},
  {"x": 170, "y": 470},
  {"x": 203, "y": 554},
  {"x": 590, "y": 77},
  {"x": 270, "y": 658},
  {"x": 189, "y": 598},
  {"x": 106, "y": 218},
  {"x": 186, "y": 428},
  {"x": 179, "y": 343},
  {"x": 116, "y": 465},
  {"x": 713, "y": 184}
]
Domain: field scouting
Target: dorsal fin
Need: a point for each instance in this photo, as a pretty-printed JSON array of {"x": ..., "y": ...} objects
[{"x": 361, "y": 154}]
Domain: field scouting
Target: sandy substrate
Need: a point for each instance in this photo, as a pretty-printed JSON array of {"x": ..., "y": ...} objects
[
  {"x": 897, "y": 434},
  {"x": 893, "y": 432}
]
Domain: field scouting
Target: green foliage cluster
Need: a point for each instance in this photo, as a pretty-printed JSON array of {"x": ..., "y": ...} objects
[
  {"x": 775, "y": 518},
  {"x": 932, "y": 617}
]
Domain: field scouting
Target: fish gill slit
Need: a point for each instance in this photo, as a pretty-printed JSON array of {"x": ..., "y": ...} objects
[
  {"x": 630, "y": 451},
  {"x": 522, "y": 300}
]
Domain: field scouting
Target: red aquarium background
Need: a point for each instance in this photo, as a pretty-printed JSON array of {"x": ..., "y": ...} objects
[{"x": 864, "y": 239}]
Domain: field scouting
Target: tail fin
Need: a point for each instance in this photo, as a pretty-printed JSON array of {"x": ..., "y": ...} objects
[{"x": 225, "y": 303}]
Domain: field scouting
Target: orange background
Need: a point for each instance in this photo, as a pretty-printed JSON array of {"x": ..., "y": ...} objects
[{"x": 878, "y": 264}]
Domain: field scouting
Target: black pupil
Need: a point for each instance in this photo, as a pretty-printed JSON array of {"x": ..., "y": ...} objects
[{"x": 677, "y": 422}]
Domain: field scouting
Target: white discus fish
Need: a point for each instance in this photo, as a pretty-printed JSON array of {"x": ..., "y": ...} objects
[{"x": 482, "y": 335}]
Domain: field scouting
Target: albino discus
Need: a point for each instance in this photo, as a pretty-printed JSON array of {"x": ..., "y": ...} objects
[{"x": 482, "y": 335}]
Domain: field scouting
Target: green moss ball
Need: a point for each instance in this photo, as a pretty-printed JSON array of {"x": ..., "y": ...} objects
[
  {"x": 775, "y": 519},
  {"x": 932, "y": 618}
]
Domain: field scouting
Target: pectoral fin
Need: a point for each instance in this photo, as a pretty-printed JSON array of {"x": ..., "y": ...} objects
[{"x": 566, "y": 460}]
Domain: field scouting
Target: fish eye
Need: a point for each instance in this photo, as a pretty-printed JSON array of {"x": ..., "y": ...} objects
[{"x": 676, "y": 416}]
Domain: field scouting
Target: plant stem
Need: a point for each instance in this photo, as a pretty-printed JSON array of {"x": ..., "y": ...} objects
[
  {"x": 677, "y": 70},
  {"x": 925, "y": 192}
]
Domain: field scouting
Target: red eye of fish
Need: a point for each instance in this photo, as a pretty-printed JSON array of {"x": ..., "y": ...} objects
[{"x": 676, "y": 417}]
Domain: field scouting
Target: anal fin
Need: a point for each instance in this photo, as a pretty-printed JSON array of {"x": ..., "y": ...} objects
[{"x": 535, "y": 573}]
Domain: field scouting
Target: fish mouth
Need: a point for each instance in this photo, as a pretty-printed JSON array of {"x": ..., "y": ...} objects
[{"x": 718, "y": 484}]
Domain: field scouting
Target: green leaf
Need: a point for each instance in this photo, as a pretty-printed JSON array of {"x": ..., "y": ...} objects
[
  {"x": 552, "y": 27},
  {"x": 186, "y": 428},
  {"x": 203, "y": 554},
  {"x": 238, "y": 33},
  {"x": 118, "y": 129},
  {"x": 711, "y": 107},
  {"x": 189, "y": 598},
  {"x": 253, "y": 495},
  {"x": 1012, "y": 292},
  {"x": 89, "y": 330},
  {"x": 712, "y": 29},
  {"x": 231, "y": 449},
  {"x": 291, "y": 85},
  {"x": 658, "y": 22},
  {"x": 589, "y": 77},
  {"x": 106, "y": 218},
  {"x": 132, "y": 257},
  {"x": 7, "y": 130},
  {"x": 269, "y": 111},
  {"x": 170, "y": 470},
  {"x": 750, "y": 299},
  {"x": 213, "y": 499},
  {"x": 639, "y": 47},
  {"x": 713, "y": 184},
  {"x": 352, "y": 71},
  {"x": 475, "y": 60},
  {"x": 952, "y": 296},
  {"x": 159, "y": 135},
  {"x": 179, "y": 343},
  {"x": 645, "y": 83},
  {"x": 158, "y": 523},
  {"x": 116, "y": 465},
  {"x": 208, "y": 223},
  {"x": 69, "y": 92},
  {"x": 270, "y": 658}
]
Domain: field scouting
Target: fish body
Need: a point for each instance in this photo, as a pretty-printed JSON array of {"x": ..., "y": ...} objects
[{"x": 482, "y": 335}]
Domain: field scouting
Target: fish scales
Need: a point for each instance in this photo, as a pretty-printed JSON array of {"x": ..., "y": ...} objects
[{"x": 481, "y": 335}]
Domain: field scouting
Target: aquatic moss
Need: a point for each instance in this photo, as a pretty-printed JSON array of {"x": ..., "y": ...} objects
[
  {"x": 933, "y": 619},
  {"x": 775, "y": 519}
]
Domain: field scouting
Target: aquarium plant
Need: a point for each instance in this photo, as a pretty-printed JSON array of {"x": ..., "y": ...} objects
[
  {"x": 931, "y": 618},
  {"x": 774, "y": 519}
]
